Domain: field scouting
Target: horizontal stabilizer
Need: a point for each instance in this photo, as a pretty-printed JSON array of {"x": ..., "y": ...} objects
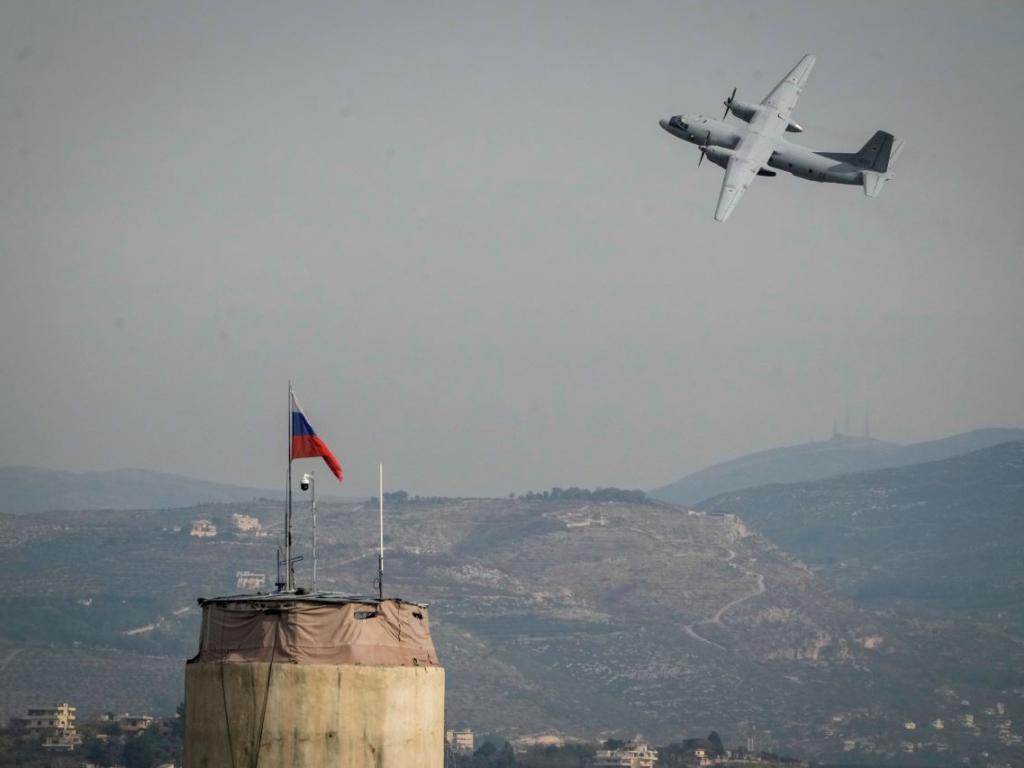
[{"x": 873, "y": 182}]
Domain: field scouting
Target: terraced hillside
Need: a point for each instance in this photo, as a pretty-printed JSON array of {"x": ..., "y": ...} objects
[
  {"x": 592, "y": 618},
  {"x": 942, "y": 538}
]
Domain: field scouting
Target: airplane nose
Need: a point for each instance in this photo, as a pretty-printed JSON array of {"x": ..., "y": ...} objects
[{"x": 663, "y": 124}]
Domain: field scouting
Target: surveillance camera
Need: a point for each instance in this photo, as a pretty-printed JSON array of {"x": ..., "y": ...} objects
[{"x": 306, "y": 479}]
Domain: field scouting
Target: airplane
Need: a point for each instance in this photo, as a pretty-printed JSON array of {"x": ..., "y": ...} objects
[{"x": 761, "y": 150}]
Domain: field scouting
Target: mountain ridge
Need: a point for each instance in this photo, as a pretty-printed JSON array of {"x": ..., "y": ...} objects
[
  {"x": 27, "y": 490},
  {"x": 840, "y": 455},
  {"x": 936, "y": 536},
  {"x": 593, "y": 618}
]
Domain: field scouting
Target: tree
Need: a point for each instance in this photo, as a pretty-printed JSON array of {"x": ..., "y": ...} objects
[
  {"x": 140, "y": 752},
  {"x": 486, "y": 750},
  {"x": 716, "y": 743},
  {"x": 103, "y": 752},
  {"x": 506, "y": 757},
  {"x": 178, "y": 723}
]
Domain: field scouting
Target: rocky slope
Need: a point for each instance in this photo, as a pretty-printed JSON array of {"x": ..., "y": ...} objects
[
  {"x": 942, "y": 537},
  {"x": 610, "y": 618}
]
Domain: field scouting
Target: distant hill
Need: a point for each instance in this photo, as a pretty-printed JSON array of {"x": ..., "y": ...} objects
[
  {"x": 841, "y": 455},
  {"x": 943, "y": 536},
  {"x": 587, "y": 618},
  {"x": 31, "y": 489}
]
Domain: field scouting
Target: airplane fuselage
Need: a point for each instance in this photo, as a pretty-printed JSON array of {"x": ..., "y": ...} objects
[{"x": 787, "y": 157}]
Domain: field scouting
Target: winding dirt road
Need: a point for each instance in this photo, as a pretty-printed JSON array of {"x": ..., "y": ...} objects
[
  {"x": 691, "y": 629},
  {"x": 9, "y": 658}
]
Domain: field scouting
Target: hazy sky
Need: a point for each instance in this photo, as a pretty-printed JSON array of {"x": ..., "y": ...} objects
[{"x": 460, "y": 230}]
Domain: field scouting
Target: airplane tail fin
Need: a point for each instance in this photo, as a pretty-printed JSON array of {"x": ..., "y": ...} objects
[
  {"x": 877, "y": 158},
  {"x": 897, "y": 148},
  {"x": 874, "y": 156}
]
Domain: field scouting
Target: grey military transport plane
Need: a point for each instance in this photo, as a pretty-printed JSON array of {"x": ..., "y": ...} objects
[{"x": 756, "y": 150}]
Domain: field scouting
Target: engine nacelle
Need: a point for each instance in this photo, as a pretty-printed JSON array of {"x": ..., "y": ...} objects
[
  {"x": 719, "y": 155},
  {"x": 744, "y": 110}
]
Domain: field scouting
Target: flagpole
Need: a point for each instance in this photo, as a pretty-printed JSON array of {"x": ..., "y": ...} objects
[
  {"x": 380, "y": 558},
  {"x": 289, "y": 576}
]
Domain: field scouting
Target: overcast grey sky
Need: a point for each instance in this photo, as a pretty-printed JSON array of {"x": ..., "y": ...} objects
[{"x": 460, "y": 230}]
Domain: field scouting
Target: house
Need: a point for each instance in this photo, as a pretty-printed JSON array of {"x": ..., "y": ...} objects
[
  {"x": 633, "y": 755},
  {"x": 460, "y": 740},
  {"x": 250, "y": 579},
  {"x": 203, "y": 529},
  {"x": 134, "y": 723},
  {"x": 246, "y": 523},
  {"x": 702, "y": 756},
  {"x": 55, "y": 726}
]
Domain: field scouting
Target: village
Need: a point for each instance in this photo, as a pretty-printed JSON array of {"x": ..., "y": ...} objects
[{"x": 55, "y": 737}]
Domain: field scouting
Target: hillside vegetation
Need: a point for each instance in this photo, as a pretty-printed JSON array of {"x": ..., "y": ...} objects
[
  {"x": 944, "y": 538},
  {"x": 587, "y": 617}
]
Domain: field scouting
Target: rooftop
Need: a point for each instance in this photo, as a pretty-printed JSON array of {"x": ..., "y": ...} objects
[{"x": 302, "y": 596}]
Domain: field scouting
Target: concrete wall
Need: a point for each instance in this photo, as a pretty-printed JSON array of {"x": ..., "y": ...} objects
[{"x": 316, "y": 716}]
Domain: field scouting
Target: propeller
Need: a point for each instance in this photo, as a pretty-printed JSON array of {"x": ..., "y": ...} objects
[
  {"x": 704, "y": 148},
  {"x": 728, "y": 103}
]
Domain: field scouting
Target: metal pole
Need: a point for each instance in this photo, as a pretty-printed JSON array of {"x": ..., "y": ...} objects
[
  {"x": 279, "y": 584},
  {"x": 289, "y": 576},
  {"x": 312, "y": 490},
  {"x": 380, "y": 560}
]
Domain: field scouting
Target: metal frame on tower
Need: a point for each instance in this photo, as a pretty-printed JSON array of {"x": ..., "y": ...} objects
[{"x": 380, "y": 557}]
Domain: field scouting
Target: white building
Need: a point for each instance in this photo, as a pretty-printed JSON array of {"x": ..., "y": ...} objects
[
  {"x": 56, "y": 726},
  {"x": 246, "y": 523},
  {"x": 203, "y": 529},
  {"x": 634, "y": 755},
  {"x": 460, "y": 740},
  {"x": 250, "y": 579},
  {"x": 134, "y": 723}
]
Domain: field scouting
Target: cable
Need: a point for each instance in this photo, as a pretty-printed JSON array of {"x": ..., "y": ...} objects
[
  {"x": 266, "y": 696},
  {"x": 227, "y": 720}
]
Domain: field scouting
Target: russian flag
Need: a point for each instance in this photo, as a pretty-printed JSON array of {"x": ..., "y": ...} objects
[{"x": 306, "y": 444}]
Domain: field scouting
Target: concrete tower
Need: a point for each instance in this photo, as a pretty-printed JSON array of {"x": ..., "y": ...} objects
[{"x": 314, "y": 681}]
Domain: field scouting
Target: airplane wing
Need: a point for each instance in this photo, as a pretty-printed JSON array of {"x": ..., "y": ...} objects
[
  {"x": 784, "y": 96},
  {"x": 756, "y": 148},
  {"x": 738, "y": 175}
]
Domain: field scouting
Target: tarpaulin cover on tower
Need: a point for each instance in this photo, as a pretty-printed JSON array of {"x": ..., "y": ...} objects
[{"x": 353, "y": 631}]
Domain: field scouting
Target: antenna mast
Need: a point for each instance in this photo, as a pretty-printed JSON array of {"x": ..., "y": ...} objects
[
  {"x": 380, "y": 557},
  {"x": 289, "y": 573},
  {"x": 312, "y": 490}
]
